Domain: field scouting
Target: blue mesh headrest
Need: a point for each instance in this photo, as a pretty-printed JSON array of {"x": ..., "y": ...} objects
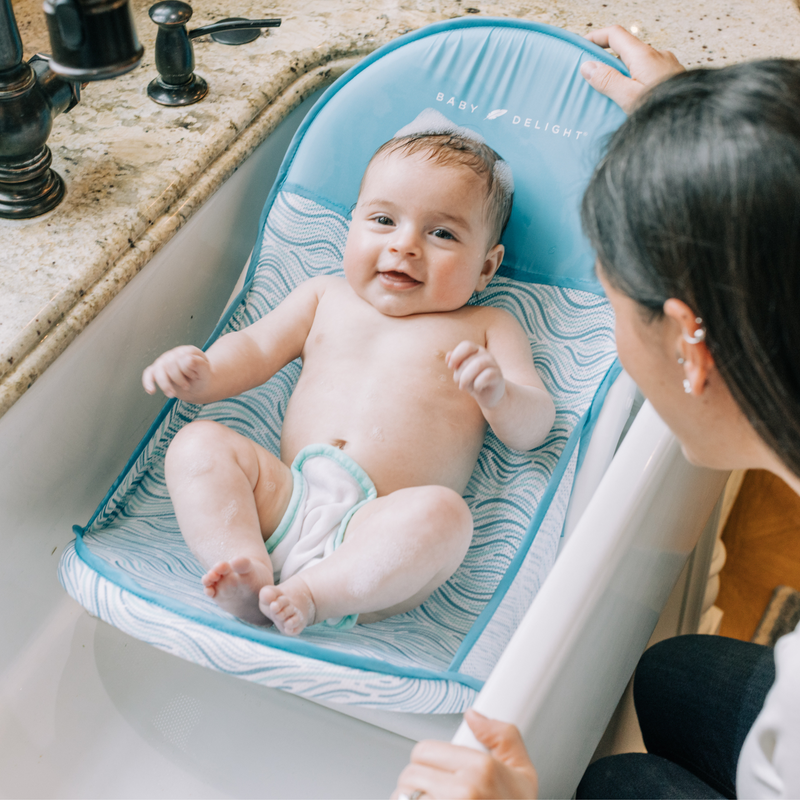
[{"x": 518, "y": 85}]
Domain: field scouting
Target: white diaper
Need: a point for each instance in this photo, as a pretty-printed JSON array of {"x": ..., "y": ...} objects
[{"x": 329, "y": 487}]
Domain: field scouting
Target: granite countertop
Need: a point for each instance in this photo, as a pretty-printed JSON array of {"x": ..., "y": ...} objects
[{"x": 136, "y": 171}]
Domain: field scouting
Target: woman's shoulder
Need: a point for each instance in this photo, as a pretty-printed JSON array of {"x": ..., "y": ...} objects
[
  {"x": 768, "y": 764},
  {"x": 787, "y": 661}
]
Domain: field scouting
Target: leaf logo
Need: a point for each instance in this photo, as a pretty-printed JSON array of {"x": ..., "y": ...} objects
[{"x": 498, "y": 112}]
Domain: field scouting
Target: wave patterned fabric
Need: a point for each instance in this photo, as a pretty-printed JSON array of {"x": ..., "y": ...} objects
[{"x": 132, "y": 568}]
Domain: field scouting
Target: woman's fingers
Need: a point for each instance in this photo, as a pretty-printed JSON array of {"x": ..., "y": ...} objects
[
  {"x": 431, "y": 781},
  {"x": 444, "y": 756},
  {"x": 501, "y": 739},
  {"x": 443, "y": 770},
  {"x": 621, "y": 41},
  {"x": 446, "y": 771},
  {"x": 625, "y": 92},
  {"x": 646, "y": 65}
]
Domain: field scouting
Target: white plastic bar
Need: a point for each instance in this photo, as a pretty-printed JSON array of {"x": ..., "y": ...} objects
[
  {"x": 610, "y": 424},
  {"x": 567, "y": 665}
]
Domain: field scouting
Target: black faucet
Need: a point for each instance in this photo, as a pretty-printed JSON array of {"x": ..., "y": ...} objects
[
  {"x": 177, "y": 84},
  {"x": 91, "y": 40}
]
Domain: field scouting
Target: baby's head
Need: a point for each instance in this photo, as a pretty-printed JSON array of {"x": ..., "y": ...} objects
[
  {"x": 433, "y": 203},
  {"x": 455, "y": 149}
]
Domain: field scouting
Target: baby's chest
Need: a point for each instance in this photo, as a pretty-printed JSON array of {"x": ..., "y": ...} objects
[{"x": 413, "y": 345}]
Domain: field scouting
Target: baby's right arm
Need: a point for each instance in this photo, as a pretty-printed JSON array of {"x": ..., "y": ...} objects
[{"x": 241, "y": 360}]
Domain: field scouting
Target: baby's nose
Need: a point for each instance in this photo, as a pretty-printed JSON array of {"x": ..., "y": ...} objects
[{"x": 406, "y": 241}]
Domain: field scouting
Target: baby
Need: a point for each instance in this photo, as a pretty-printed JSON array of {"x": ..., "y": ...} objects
[{"x": 362, "y": 515}]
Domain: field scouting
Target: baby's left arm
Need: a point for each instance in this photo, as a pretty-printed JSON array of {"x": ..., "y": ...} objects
[{"x": 504, "y": 382}]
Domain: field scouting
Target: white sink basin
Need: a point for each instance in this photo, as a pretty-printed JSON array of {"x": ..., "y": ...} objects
[{"x": 85, "y": 710}]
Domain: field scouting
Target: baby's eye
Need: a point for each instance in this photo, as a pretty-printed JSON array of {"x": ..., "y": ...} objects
[
  {"x": 384, "y": 220},
  {"x": 441, "y": 233}
]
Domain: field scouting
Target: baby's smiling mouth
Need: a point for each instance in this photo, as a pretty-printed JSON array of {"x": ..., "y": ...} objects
[{"x": 398, "y": 280}]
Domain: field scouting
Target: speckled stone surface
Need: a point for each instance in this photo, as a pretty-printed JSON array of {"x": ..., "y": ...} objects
[{"x": 136, "y": 171}]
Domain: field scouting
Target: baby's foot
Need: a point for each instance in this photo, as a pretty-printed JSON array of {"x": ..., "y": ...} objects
[
  {"x": 289, "y": 605},
  {"x": 235, "y": 585}
]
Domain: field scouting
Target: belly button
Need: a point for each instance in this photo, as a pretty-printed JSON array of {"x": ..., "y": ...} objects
[{"x": 340, "y": 443}]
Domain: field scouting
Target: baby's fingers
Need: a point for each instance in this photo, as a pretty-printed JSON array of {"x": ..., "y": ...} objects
[
  {"x": 468, "y": 372},
  {"x": 148, "y": 381},
  {"x": 161, "y": 379},
  {"x": 174, "y": 369},
  {"x": 487, "y": 379},
  {"x": 456, "y": 357},
  {"x": 192, "y": 365}
]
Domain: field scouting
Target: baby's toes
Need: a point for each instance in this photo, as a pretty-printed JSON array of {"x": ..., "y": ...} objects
[
  {"x": 281, "y": 607},
  {"x": 266, "y": 596},
  {"x": 293, "y": 625},
  {"x": 241, "y": 565},
  {"x": 215, "y": 575}
]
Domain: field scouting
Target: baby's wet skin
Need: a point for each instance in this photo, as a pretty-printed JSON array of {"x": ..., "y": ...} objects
[
  {"x": 387, "y": 390},
  {"x": 235, "y": 587},
  {"x": 290, "y": 605},
  {"x": 376, "y": 382}
]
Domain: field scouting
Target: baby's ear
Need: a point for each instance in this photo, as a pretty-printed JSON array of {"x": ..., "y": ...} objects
[{"x": 494, "y": 258}]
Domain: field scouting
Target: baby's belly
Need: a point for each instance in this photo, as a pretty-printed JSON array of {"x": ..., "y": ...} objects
[{"x": 399, "y": 438}]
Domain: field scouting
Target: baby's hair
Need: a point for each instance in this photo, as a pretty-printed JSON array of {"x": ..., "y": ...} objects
[{"x": 455, "y": 150}]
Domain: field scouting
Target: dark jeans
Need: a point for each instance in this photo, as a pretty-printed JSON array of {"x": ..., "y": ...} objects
[{"x": 696, "y": 698}]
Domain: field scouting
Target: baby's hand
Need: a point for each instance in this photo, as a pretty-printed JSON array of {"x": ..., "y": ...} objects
[
  {"x": 182, "y": 372},
  {"x": 475, "y": 371}
]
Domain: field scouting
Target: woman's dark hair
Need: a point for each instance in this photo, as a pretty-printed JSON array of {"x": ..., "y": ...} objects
[{"x": 698, "y": 198}]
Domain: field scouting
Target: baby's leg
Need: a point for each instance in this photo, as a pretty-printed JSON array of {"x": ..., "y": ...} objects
[
  {"x": 229, "y": 495},
  {"x": 396, "y": 551}
]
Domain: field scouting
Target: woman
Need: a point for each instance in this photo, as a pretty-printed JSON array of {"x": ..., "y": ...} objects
[{"x": 695, "y": 216}]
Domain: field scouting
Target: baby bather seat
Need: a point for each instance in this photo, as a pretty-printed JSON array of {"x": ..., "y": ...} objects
[{"x": 517, "y": 84}]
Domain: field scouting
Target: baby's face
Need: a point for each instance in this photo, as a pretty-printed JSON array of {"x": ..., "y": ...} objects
[{"x": 419, "y": 238}]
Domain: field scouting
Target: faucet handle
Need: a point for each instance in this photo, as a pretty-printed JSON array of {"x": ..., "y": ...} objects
[
  {"x": 221, "y": 31},
  {"x": 177, "y": 84}
]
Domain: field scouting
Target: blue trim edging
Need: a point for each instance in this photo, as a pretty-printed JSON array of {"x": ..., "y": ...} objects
[
  {"x": 578, "y": 438},
  {"x": 430, "y": 30},
  {"x": 267, "y": 637},
  {"x": 485, "y": 616}
]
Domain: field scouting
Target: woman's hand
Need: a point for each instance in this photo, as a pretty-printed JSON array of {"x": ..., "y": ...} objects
[
  {"x": 443, "y": 770},
  {"x": 646, "y": 65}
]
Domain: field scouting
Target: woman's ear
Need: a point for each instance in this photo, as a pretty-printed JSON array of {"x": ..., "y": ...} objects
[
  {"x": 494, "y": 258},
  {"x": 691, "y": 349}
]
